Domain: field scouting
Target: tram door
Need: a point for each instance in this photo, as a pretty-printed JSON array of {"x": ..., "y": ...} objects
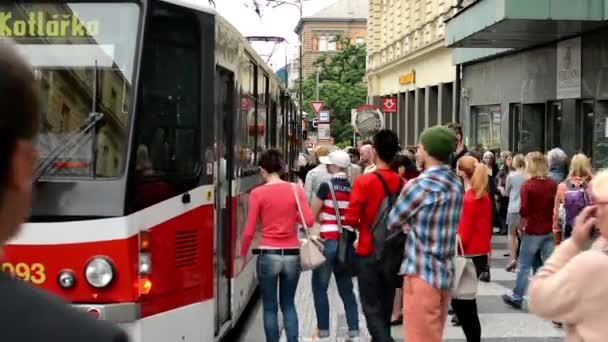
[{"x": 224, "y": 104}]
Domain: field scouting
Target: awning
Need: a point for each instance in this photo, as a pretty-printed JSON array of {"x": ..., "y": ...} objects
[{"x": 522, "y": 23}]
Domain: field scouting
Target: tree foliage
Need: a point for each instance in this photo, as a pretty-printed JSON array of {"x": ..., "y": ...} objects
[{"x": 341, "y": 86}]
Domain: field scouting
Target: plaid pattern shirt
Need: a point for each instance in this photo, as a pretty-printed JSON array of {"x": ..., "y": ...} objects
[{"x": 428, "y": 210}]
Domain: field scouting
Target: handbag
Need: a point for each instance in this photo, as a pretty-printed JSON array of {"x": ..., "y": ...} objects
[
  {"x": 311, "y": 255},
  {"x": 346, "y": 250},
  {"x": 465, "y": 275}
]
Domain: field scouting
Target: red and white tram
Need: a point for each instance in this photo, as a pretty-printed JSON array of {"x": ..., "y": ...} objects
[{"x": 155, "y": 112}]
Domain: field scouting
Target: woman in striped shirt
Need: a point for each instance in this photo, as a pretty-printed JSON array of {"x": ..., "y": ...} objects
[{"x": 324, "y": 209}]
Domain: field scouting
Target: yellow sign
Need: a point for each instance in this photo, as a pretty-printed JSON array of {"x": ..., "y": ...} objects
[
  {"x": 408, "y": 78},
  {"x": 34, "y": 273},
  {"x": 43, "y": 24}
]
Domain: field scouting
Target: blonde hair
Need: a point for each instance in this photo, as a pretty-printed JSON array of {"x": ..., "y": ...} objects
[
  {"x": 536, "y": 165},
  {"x": 321, "y": 151},
  {"x": 599, "y": 185},
  {"x": 580, "y": 166},
  {"x": 519, "y": 162},
  {"x": 476, "y": 172}
]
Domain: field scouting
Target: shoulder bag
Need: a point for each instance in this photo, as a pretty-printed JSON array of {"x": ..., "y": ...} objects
[
  {"x": 465, "y": 274},
  {"x": 311, "y": 256}
]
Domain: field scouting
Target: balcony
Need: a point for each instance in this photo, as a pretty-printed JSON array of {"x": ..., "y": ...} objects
[{"x": 518, "y": 24}]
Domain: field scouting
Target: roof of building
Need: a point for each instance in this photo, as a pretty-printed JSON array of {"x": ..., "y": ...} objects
[{"x": 341, "y": 10}]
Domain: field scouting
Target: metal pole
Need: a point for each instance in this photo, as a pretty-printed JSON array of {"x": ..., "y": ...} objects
[
  {"x": 317, "y": 86},
  {"x": 301, "y": 73}
]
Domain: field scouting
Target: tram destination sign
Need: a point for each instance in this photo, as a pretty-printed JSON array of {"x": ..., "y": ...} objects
[{"x": 43, "y": 24}]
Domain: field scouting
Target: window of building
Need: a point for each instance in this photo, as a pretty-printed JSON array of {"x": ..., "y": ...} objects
[
  {"x": 486, "y": 126},
  {"x": 332, "y": 42},
  {"x": 323, "y": 43}
]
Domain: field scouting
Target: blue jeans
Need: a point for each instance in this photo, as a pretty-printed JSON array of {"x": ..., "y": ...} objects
[
  {"x": 530, "y": 246},
  {"x": 279, "y": 273},
  {"x": 320, "y": 282}
]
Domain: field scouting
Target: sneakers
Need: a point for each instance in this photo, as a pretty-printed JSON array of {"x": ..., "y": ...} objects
[
  {"x": 516, "y": 304},
  {"x": 485, "y": 276},
  {"x": 320, "y": 335}
]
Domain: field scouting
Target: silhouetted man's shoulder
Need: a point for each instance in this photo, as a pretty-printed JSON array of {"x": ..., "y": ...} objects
[{"x": 28, "y": 314}]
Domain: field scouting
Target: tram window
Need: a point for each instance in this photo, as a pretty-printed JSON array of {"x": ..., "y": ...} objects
[
  {"x": 168, "y": 124},
  {"x": 245, "y": 138}
]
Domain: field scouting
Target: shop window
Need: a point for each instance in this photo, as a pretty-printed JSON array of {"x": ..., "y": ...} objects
[
  {"x": 554, "y": 125},
  {"x": 486, "y": 126},
  {"x": 587, "y": 127},
  {"x": 532, "y": 128},
  {"x": 514, "y": 115}
]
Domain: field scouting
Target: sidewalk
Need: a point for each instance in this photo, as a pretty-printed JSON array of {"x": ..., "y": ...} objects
[{"x": 499, "y": 322}]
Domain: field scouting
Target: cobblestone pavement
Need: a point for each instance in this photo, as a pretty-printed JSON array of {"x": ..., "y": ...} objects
[{"x": 499, "y": 322}]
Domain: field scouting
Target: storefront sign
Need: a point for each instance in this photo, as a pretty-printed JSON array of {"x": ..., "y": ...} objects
[
  {"x": 389, "y": 104},
  {"x": 569, "y": 69},
  {"x": 409, "y": 78}
]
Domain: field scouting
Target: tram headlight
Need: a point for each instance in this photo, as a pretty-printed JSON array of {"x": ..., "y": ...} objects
[
  {"x": 66, "y": 279},
  {"x": 99, "y": 272}
]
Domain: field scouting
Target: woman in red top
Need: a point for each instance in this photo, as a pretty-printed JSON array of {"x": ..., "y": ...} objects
[
  {"x": 475, "y": 232},
  {"x": 278, "y": 265}
]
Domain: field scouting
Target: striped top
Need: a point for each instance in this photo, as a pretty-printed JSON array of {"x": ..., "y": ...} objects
[
  {"x": 329, "y": 223},
  {"x": 428, "y": 210}
]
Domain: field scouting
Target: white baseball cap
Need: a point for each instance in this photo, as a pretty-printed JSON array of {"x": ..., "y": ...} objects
[{"x": 338, "y": 158}]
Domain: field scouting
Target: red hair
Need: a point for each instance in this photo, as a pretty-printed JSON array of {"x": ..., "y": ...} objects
[{"x": 476, "y": 172}]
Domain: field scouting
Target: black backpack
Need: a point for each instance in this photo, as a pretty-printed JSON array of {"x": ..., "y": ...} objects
[{"x": 389, "y": 245}]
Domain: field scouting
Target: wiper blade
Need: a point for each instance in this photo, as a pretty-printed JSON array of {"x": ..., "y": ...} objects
[{"x": 70, "y": 142}]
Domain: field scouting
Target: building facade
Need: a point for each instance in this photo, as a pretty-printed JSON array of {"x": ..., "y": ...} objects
[
  {"x": 318, "y": 33},
  {"x": 535, "y": 88},
  {"x": 407, "y": 59}
]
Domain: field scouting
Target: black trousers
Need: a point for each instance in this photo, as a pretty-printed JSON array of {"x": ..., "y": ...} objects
[
  {"x": 466, "y": 310},
  {"x": 377, "y": 296}
]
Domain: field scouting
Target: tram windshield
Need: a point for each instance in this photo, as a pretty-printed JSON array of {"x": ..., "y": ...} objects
[{"x": 83, "y": 55}]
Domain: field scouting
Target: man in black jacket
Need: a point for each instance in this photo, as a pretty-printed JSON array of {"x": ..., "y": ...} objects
[{"x": 28, "y": 314}]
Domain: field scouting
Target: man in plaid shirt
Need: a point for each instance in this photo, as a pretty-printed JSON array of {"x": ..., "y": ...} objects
[{"x": 428, "y": 211}]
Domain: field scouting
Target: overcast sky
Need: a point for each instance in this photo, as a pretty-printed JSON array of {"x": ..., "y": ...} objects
[{"x": 279, "y": 21}]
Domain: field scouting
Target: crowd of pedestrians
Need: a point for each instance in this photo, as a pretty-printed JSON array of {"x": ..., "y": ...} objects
[
  {"x": 432, "y": 199},
  {"x": 436, "y": 197}
]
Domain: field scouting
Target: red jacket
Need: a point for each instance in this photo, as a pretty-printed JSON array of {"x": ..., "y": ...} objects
[
  {"x": 475, "y": 227},
  {"x": 365, "y": 199}
]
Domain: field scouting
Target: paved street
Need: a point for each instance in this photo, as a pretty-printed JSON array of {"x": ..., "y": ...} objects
[{"x": 499, "y": 322}]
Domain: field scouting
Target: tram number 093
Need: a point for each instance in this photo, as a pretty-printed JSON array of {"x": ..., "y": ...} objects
[{"x": 34, "y": 273}]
